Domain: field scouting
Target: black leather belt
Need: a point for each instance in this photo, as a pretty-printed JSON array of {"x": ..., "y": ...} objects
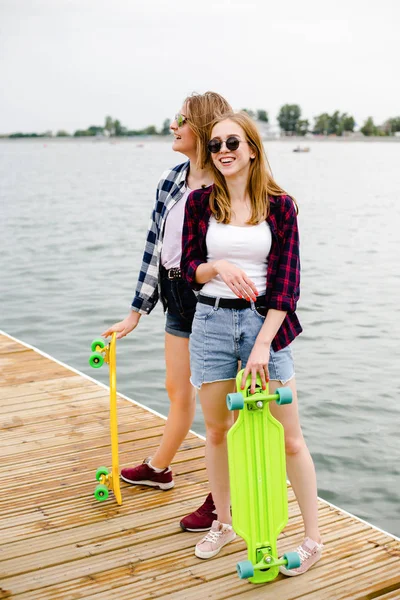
[
  {"x": 238, "y": 304},
  {"x": 174, "y": 273}
]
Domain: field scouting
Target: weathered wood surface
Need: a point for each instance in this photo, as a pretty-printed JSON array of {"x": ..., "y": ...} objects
[{"x": 58, "y": 542}]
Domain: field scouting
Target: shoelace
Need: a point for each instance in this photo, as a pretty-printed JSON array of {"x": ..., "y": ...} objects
[
  {"x": 212, "y": 536},
  {"x": 304, "y": 554}
]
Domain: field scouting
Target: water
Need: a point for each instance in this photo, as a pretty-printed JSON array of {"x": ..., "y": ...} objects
[{"x": 74, "y": 215}]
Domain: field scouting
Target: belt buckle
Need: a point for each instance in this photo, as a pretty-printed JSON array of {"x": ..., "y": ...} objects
[{"x": 174, "y": 273}]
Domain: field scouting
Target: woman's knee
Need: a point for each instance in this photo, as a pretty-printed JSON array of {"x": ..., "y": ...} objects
[
  {"x": 179, "y": 393},
  {"x": 294, "y": 444},
  {"x": 216, "y": 433}
]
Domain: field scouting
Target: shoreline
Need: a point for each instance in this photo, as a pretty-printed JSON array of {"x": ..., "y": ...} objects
[{"x": 140, "y": 140}]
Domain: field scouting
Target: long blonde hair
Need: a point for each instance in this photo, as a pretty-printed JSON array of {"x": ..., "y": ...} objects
[
  {"x": 201, "y": 112},
  {"x": 260, "y": 183}
]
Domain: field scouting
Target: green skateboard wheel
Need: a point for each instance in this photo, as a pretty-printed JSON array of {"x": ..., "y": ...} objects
[
  {"x": 101, "y": 492},
  {"x": 96, "y": 360},
  {"x": 285, "y": 395},
  {"x": 293, "y": 560},
  {"x": 245, "y": 569},
  {"x": 98, "y": 342},
  {"x": 101, "y": 471}
]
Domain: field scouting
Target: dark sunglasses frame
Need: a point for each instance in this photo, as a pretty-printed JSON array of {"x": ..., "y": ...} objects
[{"x": 232, "y": 143}]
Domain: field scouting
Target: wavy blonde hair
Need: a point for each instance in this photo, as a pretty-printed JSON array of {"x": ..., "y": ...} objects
[
  {"x": 260, "y": 183},
  {"x": 201, "y": 112}
]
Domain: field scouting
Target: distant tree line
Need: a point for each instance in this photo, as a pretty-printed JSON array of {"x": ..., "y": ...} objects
[
  {"x": 110, "y": 128},
  {"x": 291, "y": 123},
  {"x": 289, "y": 119},
  {"x": 115, "y": 128}
]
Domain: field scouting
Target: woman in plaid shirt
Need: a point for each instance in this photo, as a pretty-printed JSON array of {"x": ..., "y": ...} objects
[
  {"x": 241, "y": 249},
  {"x": 160, "y": 276}
]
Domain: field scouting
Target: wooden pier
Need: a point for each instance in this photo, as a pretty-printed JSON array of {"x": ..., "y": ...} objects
[{"x": 58, "y": 543}]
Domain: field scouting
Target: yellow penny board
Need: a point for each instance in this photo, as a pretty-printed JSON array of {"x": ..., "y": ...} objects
[{"x": 108, "y": 481}]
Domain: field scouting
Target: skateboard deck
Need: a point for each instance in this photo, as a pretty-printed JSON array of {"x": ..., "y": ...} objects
[
  {"x": 108, "y": 481},
  {"x": 257, "y": 472}
]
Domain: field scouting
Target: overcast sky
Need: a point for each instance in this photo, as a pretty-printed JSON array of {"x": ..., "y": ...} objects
[{"x": 66, "y": 64}]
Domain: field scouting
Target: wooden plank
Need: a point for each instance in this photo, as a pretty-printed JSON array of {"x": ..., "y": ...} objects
[
  {"x": 393, "y": 595},
  {"x": 183, "y": 576},
  {"x": 57, "y": 542}
]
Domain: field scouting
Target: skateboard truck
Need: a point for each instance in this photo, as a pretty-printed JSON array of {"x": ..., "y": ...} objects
[
  {"x": 265, "y": 560},
  {"x": 255, "y": 401},
  {"x": 257, "y": 473},
  {"x": 102, "y": 353}
]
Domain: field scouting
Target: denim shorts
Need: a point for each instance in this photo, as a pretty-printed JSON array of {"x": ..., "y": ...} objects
[
  {"x": 180, "y": 303},
  {"x": 223, "y": 336}
]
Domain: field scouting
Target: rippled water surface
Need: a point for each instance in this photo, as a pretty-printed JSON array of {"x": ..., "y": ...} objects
[{"x": 74, "y": 215}]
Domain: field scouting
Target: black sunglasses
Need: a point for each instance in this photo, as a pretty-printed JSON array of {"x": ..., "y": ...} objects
[
  {"x": 215, "y": 145},
  {"x": 180, "y": 119}
]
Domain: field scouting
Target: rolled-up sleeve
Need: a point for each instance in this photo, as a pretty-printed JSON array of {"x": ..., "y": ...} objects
[
  {"x": 194, "y": 252},
  {"x": 286, "y": 290},
  {"x": 146, "y": 295}
]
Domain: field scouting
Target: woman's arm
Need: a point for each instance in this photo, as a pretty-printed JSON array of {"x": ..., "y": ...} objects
[
  {"x": 259, "y": 356},
  {"x": 194, "y": 252},
  {"x": 286, "y": 287},
  {"x": 124, "y": 327},
  {"x": 283, "y": 299},
  {"x": 146, "y": 294}
]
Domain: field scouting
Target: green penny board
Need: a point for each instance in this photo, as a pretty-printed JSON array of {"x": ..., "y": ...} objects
[{"x": 257, "y": 471}]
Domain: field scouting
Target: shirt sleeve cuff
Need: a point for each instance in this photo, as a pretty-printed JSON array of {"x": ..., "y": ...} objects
[
  {"x": 190, "y": 275},
  {"x": 141, "y": 306},
  {"x": 285, "y": 303}
]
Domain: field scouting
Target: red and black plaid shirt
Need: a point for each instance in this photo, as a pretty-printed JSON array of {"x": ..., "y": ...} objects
[{"x": 283, "y": 272}]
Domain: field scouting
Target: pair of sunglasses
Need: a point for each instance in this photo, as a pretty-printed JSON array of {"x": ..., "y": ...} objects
[
  {"x": 232, "y": 143},
  {"x": 180, "y": 119}
]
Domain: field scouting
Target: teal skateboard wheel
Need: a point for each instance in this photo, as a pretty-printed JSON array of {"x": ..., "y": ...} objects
[
  {"x": 285, "y": 395},
  {"x": 245, "y": 569},
  {"x": 235, "y": 401},
  {"x": 293, "y": 560}
]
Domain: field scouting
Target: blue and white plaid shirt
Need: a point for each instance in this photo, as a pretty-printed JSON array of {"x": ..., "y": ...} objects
[{"x": 170, "y": 190}]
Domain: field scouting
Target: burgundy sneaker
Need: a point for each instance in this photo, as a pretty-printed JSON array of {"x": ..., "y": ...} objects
[
  {"x": 202, "y": 518},
  {"x": 145, "y": 475}
]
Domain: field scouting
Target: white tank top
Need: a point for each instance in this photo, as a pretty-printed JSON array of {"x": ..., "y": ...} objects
[
  {"x": 171, "y": 251},
  {"x": 246, "y": 247}
]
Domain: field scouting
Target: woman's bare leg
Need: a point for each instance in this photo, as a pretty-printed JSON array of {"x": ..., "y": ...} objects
[
  {"x": 182, "y": 398},
  {"x": 299, "y": 464},
  {"x": 218, "y": 420}
]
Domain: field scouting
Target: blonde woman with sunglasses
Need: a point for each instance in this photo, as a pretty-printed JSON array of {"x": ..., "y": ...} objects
[
  {"x": 160, "y": 277},
  {"x": 241, "y": 250}
]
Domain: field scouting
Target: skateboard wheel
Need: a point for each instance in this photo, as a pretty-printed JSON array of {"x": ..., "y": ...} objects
[
  {"x": 245, "y": 569},
  {"x": 101, "y": 492},
  {"x": 98, "y": 342},
  {"x": 235, "y": 401},
  {"x": 293, "y": 560},
  {"x": 96, "y": 360},
  {"x": 285, "y": 395},
  {"x": 101, "y": 471}
]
